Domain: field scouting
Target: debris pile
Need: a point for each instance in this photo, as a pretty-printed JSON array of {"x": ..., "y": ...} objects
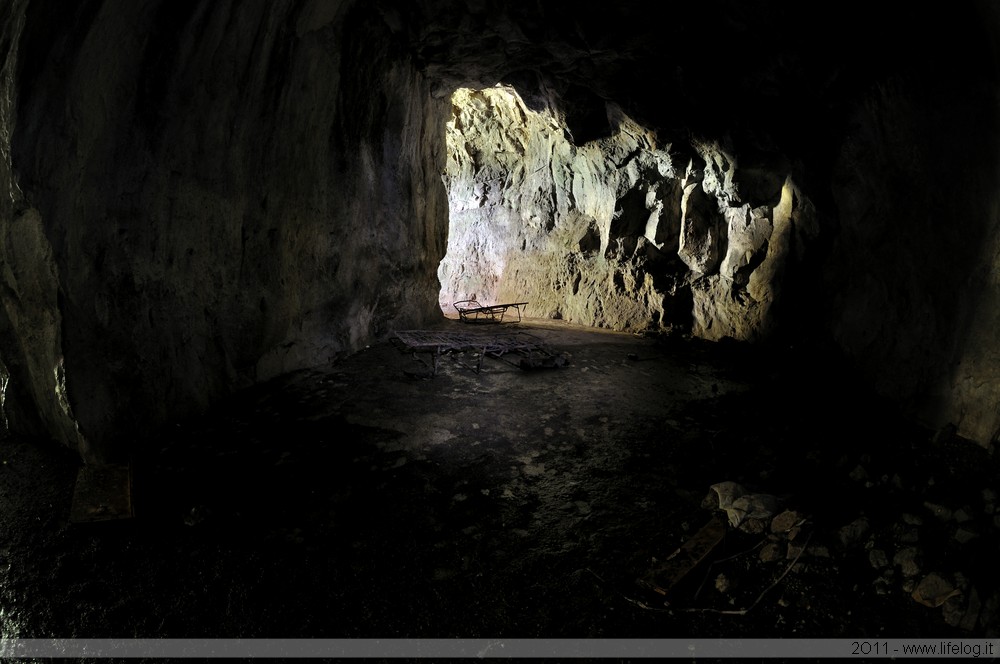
[{"x": 923, "y": 555}]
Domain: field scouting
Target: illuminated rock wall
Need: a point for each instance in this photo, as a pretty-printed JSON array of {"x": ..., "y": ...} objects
[{"x": 619, "y": 232}]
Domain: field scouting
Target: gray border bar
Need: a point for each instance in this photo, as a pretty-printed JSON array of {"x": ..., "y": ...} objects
[{"x": 986, "y": 649}]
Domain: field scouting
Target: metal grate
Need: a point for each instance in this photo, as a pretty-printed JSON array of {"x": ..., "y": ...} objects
[{"x": 486, "y": 345}]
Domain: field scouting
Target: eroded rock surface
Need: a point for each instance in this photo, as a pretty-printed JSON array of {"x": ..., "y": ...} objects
[{"x": 620, "y": 232}]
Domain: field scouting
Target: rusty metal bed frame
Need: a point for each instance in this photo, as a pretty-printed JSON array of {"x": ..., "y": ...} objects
[
  {"x": 530, "y": 350},
  {"x": 470, "y": 311}
]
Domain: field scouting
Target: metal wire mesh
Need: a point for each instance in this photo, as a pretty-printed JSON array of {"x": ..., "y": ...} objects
[
  {"x": 443, "y": 342},
  {"x": 437, "y": 343}
]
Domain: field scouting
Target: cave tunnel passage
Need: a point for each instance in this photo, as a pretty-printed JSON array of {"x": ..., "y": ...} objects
[{"x": 361, "y": 498}]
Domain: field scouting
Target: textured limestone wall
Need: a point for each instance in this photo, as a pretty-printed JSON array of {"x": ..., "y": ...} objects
[
  {"x": 618, "y": 232},
  {"x": 215, "y": 193},
  {"x": 535, "y": 218},
  {"x": 764, "y": 227}
]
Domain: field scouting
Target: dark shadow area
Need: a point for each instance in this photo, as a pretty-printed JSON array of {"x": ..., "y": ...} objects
[{"x": 357, "y": 500}]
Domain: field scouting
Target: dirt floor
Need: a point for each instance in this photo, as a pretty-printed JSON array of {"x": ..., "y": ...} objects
[{"x": 370, "y": 499}]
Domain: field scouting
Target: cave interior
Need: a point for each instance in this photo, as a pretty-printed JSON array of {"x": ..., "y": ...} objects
[{"x": 763, "y": 245}]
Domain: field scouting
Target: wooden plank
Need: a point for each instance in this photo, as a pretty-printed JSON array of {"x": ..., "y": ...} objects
[{"x": 664, "y": 575}]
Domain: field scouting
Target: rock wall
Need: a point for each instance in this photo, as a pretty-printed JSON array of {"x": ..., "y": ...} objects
[
  {"x": 33, "y": 396},
  {"x": 618, "y": 232},
  {"x": 535, "y": 218},
  {"x": 211, "y": 194},
  {"x": 913, "y": 270}
]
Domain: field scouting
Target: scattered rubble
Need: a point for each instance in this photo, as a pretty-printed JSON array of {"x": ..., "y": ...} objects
[
  {"x": 751, "y": 512},
  {"x": 770, "y": 552},
  {"x": 904, "y": 549}
]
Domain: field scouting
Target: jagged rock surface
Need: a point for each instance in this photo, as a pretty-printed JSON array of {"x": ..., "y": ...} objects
[
  {"x": 535, "y": 218},
  {"x": 619, "y": 232}
]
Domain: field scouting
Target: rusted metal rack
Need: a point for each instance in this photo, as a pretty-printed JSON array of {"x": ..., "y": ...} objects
[
  {"x": 470, "y": 311},
  {"x": 527, "y": 350}
]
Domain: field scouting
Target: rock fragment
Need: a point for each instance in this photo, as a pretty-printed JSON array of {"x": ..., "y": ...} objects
[
  {"x": 908, "y": 561},
  {"x": 770, "y": 552},
  {"x": 853, "y": 532},
  {"x": 934, "y": 590},
  {"x": 786, "y": 523},
  {"x": 965, "y": 535},
  {"x": 971, "y": 617},
  {"x": 878, "y": 558}
]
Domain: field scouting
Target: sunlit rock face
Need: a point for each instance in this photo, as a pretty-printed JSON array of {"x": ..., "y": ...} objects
[
  {"x": 619, "y": 232},
  {"x": 535, "y": 218}
]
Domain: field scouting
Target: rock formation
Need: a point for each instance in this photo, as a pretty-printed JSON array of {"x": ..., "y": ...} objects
[
  {"x": 199, "y": 196},
  {"x": 575, "y": 231},
  {"x": 619, "y": 232}
]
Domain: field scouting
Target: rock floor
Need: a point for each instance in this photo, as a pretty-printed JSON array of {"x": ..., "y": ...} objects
[{"x": 362, "y": 499}]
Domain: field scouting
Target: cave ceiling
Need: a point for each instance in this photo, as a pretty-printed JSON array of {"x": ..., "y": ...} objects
[{"x": 765, "y": 76}]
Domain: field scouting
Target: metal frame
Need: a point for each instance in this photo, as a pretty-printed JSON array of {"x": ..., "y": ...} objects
[
  {"x": 471, "y": 311},
  {"x": 496, "y": 346}
]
